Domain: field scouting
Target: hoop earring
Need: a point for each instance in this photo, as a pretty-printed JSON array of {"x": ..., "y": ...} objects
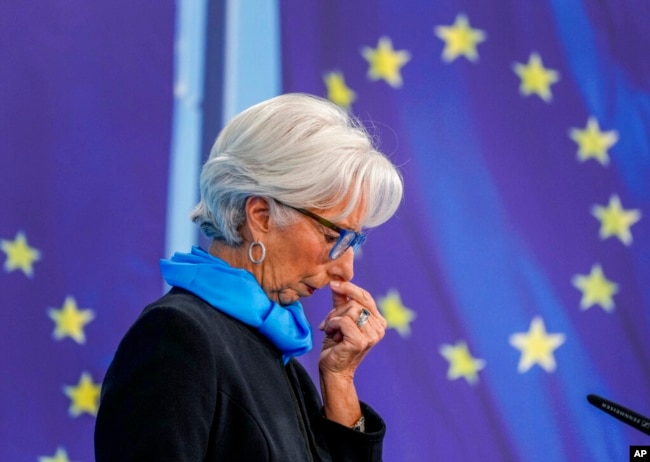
[{"x": 250, "y": 252}]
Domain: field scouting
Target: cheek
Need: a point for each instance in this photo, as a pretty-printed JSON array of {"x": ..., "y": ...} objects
[
  {"x": 304, "y": 260},
  {"x": 299, "y": 251},
  {"x": 306, "y": 247},
  {"x": 317, "y": 253},
  {"x": 307, "y": 259}
]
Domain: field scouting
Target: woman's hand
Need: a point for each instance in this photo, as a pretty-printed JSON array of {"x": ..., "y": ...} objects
[
  {"x": 344, "y": 347},
  {"x": 346, "y": 344}
]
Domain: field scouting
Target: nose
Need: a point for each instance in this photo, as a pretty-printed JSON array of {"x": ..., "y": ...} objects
[{"x": 342, "y": 269}]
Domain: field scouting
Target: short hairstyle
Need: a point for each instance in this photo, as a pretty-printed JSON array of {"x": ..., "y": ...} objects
[{"x": 301, "y": 150}]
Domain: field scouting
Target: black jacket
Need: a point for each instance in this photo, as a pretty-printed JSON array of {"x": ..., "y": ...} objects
[{"x": 190, "y": 383}]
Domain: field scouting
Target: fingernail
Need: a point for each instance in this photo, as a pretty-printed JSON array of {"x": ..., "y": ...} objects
[{"x": 335, "y": 283}]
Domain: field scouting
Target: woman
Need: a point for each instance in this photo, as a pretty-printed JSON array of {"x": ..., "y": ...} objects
[{"x": 208, "y": 372}]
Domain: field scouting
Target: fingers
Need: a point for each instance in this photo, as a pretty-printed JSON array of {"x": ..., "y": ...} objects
[
  {"x": 346, "y": 342},
  {"x": 338, "y": 298},
  {"x": 351, "y": 299},
  {"x": 345, "y": 326},
  {"x": 349, "y": 302},
  {"x": 342, "y": 292}
]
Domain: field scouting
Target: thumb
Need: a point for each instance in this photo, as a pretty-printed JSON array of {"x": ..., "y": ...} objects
[{"x": 338, "y": 297}]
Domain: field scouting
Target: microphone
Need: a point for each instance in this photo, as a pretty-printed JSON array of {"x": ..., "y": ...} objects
[{"x": 621, "y": 413}]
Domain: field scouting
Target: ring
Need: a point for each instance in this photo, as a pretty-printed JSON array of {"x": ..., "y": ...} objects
[{"x": 363, "y": 318}]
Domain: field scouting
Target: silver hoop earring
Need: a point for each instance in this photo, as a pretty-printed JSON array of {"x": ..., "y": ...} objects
[{"x": 250, "y": 252}]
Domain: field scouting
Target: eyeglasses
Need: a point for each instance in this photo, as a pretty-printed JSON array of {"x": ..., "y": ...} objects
[{"x": 347, "y": 237}]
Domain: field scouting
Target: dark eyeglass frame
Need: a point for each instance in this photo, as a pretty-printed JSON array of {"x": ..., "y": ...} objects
[{"x": 347, "y": 237}]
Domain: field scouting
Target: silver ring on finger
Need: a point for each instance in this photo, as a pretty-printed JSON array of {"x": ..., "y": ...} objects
[{"x": 363, "y": 318}]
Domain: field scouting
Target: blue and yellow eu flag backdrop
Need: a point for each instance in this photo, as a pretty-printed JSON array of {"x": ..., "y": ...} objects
[
  {"x": 85, "y": 114},
  {"x": 515, "y": 279}
]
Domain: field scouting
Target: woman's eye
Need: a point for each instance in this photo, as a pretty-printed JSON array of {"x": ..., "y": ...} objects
[{"x": 330, "y": 239}]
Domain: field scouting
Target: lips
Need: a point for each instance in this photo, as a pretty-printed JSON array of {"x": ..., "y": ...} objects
[{"x": 310, "y": 289}]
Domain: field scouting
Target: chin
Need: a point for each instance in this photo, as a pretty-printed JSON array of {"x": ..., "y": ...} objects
[{"x": 286, "y": 299}]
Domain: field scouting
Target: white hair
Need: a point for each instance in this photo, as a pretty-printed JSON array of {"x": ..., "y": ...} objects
[{"x": 302, "y": 151}]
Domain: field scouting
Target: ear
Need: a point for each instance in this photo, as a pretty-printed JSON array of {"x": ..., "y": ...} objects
[{"x": 257, "y": 215}]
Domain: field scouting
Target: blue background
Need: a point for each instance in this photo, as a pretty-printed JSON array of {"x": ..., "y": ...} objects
[{"x": 108, "y": 108}]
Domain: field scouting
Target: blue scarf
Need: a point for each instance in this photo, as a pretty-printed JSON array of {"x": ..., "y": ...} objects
[{"x": 237, "y": 293}]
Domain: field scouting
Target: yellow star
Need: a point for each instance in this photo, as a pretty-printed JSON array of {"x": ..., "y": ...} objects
[
  {"x": 535, "y": 78},
  {"x": 596, "y": 289},
  {"x": 386, "y": 63},
  {"x": 337, "y": 91},
  {"x": 19, "y": 254},
  {"x": 460, "y": 39},
  {"x": 84, "y": 397},
  {"x": 615, "y": 221},
  {"x": 60, "y": 456},
  {"x": 396, "y": 314},
  {"x": 70, "y": 320},
  {"x": 461, "y": 362},
  {"x": 592, "y": 143},
  {"x": 536, "y": 346}
]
